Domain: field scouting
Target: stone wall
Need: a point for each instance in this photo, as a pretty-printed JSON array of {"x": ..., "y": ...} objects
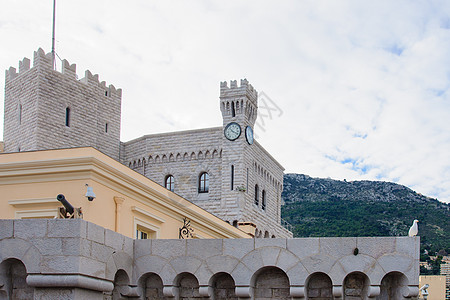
[
  {"x": 186, "y": 154},
  {"x": 36, "y": 103},
  {"x": 47, "y": 109},
  {"x": 74, "y": 259}
]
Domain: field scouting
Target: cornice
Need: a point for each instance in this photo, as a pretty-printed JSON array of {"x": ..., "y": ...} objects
[
  {"x": 82, "y": 163},
  {"x": 33, "y": 201},
  {"x": 147, "y": 214}
]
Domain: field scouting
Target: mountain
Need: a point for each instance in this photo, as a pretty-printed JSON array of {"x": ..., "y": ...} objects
[{"x": 327, "y": 207}]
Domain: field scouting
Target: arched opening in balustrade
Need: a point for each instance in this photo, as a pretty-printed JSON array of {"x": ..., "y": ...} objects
[
  {"x": 13, "y": 283},
  {"x": 356, "y": 286},
  {"x": 270, "y": 283},
  {"x": 319, "y": 287},
  {"x": 121, "y": 282},
  {"x": 188, "y": 287},
  {"x": 223, "y": 287},
  {"x": 151, "y": 286},
  {"x": 392, "y": 285}
]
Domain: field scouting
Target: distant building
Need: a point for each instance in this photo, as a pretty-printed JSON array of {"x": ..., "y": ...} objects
[
  {"x": 425, "y": 264},
  {"x": 445, "y": 270}
]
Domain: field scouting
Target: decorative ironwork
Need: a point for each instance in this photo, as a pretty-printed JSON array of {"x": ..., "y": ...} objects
[{"x": 186, "y": 231}]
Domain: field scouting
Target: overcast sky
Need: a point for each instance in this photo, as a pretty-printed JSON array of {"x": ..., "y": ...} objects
[{"x": 350, "y": 89}]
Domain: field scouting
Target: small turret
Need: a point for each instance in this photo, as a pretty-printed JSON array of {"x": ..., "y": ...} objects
[
  {"x": 244, "y": 90},
  {"x": 238, "y": 103}
]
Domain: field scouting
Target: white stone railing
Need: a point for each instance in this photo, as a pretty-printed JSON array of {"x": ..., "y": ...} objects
[{"x": 84, "y": 261}]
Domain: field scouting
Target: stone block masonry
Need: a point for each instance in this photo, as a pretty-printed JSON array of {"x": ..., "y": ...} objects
[
  {"x": 186, "y": 154},
  {"x": 46, "y": 109},
  {"x": 245, "y": 181},
  {"x": 72, "y": 259}
]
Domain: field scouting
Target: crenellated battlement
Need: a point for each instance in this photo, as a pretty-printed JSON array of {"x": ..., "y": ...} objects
[
  {"x": 245, "y": 89},
  {"x": 42, "y": 60},
  {"x": 50, "y": 109}
]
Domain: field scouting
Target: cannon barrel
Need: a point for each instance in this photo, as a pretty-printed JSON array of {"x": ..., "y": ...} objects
[{"x": 67, "y": 205}]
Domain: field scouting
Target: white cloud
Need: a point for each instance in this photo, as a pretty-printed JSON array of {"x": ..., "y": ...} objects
[{"x": 363, "y": 86}]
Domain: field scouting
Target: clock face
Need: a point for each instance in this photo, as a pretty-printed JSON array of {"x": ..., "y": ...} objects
[
  {"x": 232, "y": 131},
  {"x": 249, "y": 135}
]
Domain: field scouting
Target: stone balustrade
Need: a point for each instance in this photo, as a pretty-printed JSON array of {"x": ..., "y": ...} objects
[{"x": 75, "y": 259}]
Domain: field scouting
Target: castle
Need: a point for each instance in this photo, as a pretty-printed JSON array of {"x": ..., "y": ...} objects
[
  {"x": 223, "y": 170},
  {"x": 129, "y": 243}
]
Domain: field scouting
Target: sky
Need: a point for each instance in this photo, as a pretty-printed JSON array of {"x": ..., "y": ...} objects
[{"x": 355, "y": 90}]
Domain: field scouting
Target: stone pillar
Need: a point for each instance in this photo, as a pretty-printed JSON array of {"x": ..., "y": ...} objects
[
  {"x": 337, "y": 291},
  {"x": 169, "y": 291},
  {"x": 243, "y": 292},
  {"x": 297, "y": 292},
  {"x": 374, "y": 290}
]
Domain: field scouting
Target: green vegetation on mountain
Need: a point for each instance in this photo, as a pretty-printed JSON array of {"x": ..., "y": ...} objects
[{"x": 325, "y": 207}]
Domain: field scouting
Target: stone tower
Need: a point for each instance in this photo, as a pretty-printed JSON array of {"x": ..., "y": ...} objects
[
  {"x": 238, "y": 105},
  {"x": 47, "y": 109},
  {"x": 251, "y": 178}
]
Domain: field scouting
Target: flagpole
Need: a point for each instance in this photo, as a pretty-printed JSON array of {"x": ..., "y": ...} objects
[{"x": 53, "y": 37}]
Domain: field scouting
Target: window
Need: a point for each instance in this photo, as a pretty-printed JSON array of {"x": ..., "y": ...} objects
[
  {"x": 203, "y": 183},
  {"x": 146, "y": 224},
  {"x": 256, "y": 195},
  {"x": 233, "y": 111},
  {"x": 246, "y": 187},
  {"x": 68, "y": 116},
  {"x": 143, "y": 233},
  {"x": 20, "y": 114},
  {"x": 170, "y": 183},
  {"x": 263, "y": 200},
  {"x": 232, "y": 177},
  {"x": 106, "y": 127}
]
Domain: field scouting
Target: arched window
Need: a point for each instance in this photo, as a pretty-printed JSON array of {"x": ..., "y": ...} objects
[
  {"x": 271, "y": 281},
  {"x": 68, "y": 116},
  {"x": 263, "y": 200},
  {"x": 223, "y": 286},
  {"x": 203, "y": 183},
  {"x": 170, "y": 183},
  {"x": 233, "y": 111},
  {"x": 256, "y": 195},
  {"x": 320, "y": 287},
  {"x": 13, "y": 273}
]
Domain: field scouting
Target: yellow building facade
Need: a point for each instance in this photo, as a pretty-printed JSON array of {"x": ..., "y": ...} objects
[
  {"x": 436, "y": 289},
  {"x": 125, "y": 201}
]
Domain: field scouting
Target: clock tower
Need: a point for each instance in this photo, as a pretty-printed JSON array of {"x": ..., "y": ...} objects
[
  {"x": 238, "y": 103},
  {"x": 239, "y": 106}
]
